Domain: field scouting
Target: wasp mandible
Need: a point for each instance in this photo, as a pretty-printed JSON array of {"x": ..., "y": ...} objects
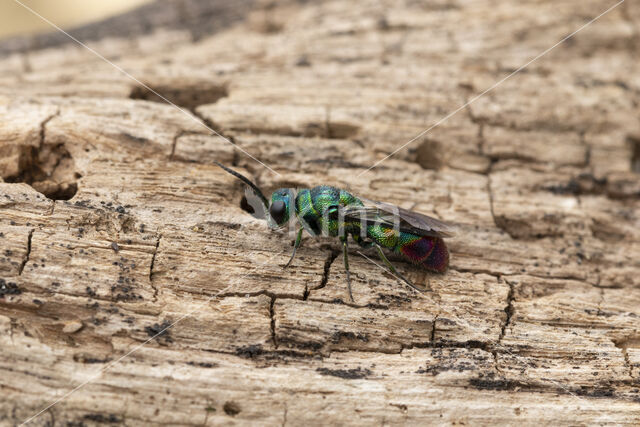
[{"x": 333, "y": 212}]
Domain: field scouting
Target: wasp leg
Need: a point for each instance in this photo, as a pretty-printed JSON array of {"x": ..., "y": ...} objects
[
  {"x": 393, "y": 269},
  {"x": 346, "y": 266},
  {"x": 295, "y": 247}
]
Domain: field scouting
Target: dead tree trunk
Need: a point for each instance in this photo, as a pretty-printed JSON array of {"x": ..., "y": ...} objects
[{"x": 115, "y": 222}]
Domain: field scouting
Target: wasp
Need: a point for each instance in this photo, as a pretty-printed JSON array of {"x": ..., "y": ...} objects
[{"x": 333, "y": 212}]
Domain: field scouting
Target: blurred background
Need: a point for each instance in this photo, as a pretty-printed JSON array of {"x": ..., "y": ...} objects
[{"x": 16, "y": 20}]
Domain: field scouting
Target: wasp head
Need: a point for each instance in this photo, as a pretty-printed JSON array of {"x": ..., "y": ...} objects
[{"x": 280, "y": 208}]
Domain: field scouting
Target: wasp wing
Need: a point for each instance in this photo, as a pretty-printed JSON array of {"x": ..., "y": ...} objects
[
  {"x": 417, "y": 220},
  {"x": 391, "y": 215}
]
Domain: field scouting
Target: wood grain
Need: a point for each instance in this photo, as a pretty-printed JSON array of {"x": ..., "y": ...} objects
[{"x": 115, "y": 222}]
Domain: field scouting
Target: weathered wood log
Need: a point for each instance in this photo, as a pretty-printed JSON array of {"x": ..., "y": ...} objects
[{"x": 115, "y": 223}]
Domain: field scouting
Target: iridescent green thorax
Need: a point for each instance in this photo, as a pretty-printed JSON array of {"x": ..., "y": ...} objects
[
  {"x": 317, "y": 209},
  {"x": 347, "y": 199}
]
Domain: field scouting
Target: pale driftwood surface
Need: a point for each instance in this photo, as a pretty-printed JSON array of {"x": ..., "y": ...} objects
[{"x": 535, "y": 323}]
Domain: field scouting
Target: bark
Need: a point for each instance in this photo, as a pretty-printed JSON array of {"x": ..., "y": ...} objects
[{"x": 115, "y": 221}]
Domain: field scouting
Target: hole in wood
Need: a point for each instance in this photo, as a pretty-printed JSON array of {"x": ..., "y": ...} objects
[
  {"x": 188, "y": 96},
  {"x": 431, "y": 154},
  {"x": 49, "y": 169},
  {"x": 231, "y": 408},
  {"x": 245, "y": 206}
]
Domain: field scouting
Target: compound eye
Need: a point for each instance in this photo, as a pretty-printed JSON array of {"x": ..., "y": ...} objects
[{"x": 278, "y": 211}]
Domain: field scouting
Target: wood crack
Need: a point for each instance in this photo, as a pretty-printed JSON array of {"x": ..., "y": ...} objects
[
  {"x": 509, "y": 310},
  {"x": 333, "y": 254},
  {"x": 25, "y": 260},
  {"x": 284, "y": 415},
  {"x": 218, "y": 132},
  {"x": 274, "y": 337},
  {"x": 622, "y": 345},
  {"x": 269, "y": 294},
  {"x": 151, "y": 265},
  {"x": 433, "y": 329},
  {"x": 153, "y": 258},
  {"x": 441, "y": 344},
  {"x": 174, "y": 144},
  {"x": 43, "y": 127},
  {"x": 491, "y": 202}
]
